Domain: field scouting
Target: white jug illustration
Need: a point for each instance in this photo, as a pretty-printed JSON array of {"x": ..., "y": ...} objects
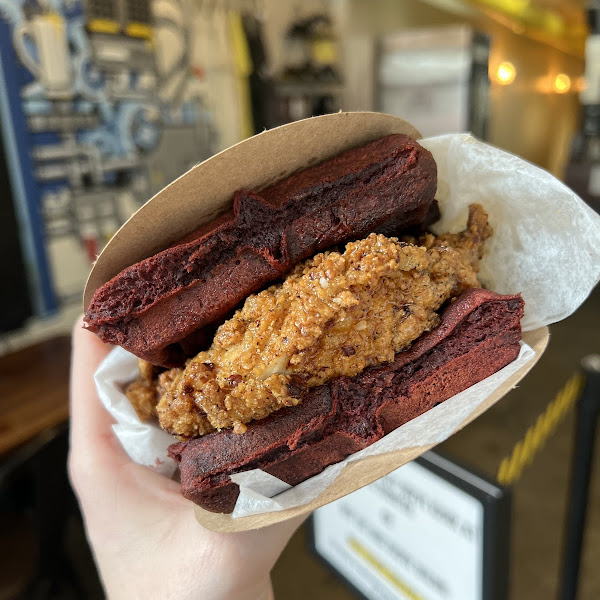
[{"x": 52, "y": 67}]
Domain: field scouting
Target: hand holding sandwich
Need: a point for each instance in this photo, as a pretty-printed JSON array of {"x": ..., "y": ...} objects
[{"x": 146, "y": 540}]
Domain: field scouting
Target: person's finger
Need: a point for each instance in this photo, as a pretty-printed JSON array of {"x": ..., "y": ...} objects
[
  {"x": 88, "y": 416},
  {"x": 92, "y": 439},
  {"x": 96, "y": 459}
]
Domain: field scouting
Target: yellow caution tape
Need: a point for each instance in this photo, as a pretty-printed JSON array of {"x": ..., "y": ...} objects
[{"x": 525, "y": 450}]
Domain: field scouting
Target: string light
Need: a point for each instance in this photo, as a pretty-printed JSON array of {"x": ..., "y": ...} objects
[
  {"x": 561, "y": 83},
  {"x": 506, "y": 73}
]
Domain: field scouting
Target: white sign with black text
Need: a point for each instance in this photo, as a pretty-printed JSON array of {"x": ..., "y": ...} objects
[{"x": 411, "y": 535}]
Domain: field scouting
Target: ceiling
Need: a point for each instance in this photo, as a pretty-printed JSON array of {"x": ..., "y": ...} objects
[
  {"x": 560, "y": 23},
  {"x": 572, "y": 9}
]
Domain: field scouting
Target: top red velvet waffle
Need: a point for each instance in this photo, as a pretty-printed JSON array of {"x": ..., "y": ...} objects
[{"x": 163, "y": 308}]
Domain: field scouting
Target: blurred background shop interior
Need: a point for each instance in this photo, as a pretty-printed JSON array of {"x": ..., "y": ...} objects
[{"x": 104, "y": 102}]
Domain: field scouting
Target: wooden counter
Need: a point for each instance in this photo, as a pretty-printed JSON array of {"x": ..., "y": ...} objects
[{"x": 34, "y": 391}]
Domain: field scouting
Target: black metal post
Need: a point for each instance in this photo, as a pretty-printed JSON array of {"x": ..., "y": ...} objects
[{"x": 588, "y": 413}]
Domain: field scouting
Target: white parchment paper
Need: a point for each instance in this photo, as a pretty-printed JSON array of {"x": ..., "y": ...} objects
[
  {"x": 546, "y": 245},
  {"x": 146, "y": 443},
  {"x": 546, "y": 242}
]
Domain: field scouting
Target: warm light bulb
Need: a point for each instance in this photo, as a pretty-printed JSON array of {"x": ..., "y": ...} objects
[
  {"x": 506, "y": 73},
  {"x": 561, "y": 83}
]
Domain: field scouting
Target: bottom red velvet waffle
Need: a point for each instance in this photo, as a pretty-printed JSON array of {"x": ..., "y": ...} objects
[{"x": 479, "y": 333}]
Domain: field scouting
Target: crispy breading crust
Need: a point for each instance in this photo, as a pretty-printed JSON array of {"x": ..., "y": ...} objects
[{"x": 334, "y": 316}]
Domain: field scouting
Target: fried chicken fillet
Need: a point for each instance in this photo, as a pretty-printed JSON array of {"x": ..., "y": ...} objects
[{"x": 333, "y": 315}]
